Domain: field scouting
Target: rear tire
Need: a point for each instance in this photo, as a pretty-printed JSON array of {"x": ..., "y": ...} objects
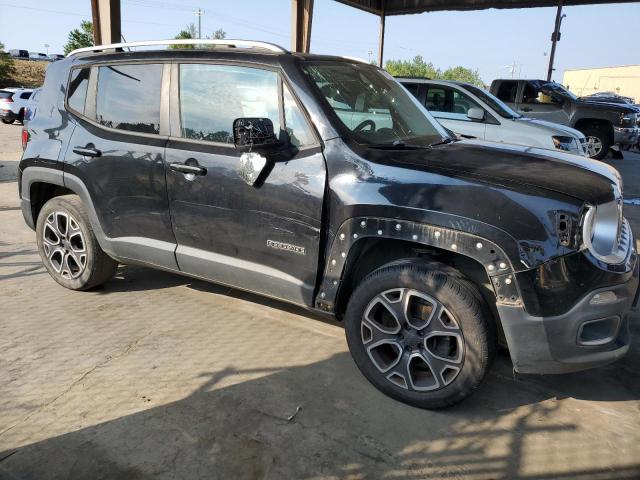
[
  {"x": 68, "y": 247},
  {"x": 7, "y": 121},
  {"x": 420, "y": 333},
  {"x": 598, "y": 142}
]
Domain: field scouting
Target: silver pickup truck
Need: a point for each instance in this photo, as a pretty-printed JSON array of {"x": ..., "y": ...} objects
[{"x": 605, "y": 125}]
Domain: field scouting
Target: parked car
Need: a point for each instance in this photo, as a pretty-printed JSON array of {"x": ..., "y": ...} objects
[
  {"x": 12, "y": 103},
  {"x": 604, "y": 124},
  {"x": 431, "y": 249},
  {"x": 20, "y": 54},
  {"x": 39, "y": 56},
  {"x": 55, "y": 56},
  {"x": 474, "y": 113},
  {"x": 31, "y": 106}
]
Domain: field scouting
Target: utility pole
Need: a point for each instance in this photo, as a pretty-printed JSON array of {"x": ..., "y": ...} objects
[
  {"x": 555, "y": 38},
  {"x": 198, "y": 13}
]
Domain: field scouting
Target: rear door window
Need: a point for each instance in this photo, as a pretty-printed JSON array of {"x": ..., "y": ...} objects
[
  {"x": 507, "y": 91},
  {"x": 128, "y": 97},
  {"x": 25, "y": 95},
  {"x": 77, "y": 93}
]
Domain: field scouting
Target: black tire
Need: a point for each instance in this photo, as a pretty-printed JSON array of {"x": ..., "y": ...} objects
[
  {"x": 77, "y": 244},
  {"x": 21, "y": 116},
  {"x": 463, "y": 307},
  {"x": 7, "y": 121},
  {"x": 600, "y": 133}
]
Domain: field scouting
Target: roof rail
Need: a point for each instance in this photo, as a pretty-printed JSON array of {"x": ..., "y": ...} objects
[{"x": 184, "y": 41}]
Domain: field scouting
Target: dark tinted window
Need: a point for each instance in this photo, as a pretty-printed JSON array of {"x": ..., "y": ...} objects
[
  {"x": 413, "y": 88},
  {"x": 128, "y": 97},
  {"x": 507, "y": 91},
  {"x": 25, "y": 95},
  {"x": 5, "y": 94},
  {"x": 78, "y": 89}
]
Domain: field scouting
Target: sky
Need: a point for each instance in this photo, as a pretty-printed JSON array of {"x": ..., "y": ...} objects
[{"x": 492, "y": 41}]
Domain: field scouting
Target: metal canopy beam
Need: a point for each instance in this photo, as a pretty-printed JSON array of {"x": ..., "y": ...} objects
[
  {"x": 404, "y": 7},
  {"x": 106, "y": 21},
  {"x": 301, "y": 17}
]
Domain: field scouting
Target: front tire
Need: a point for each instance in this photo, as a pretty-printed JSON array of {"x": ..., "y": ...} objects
[
  {"x": 7, "y": 121},
  {"x": 420, "y": 333},
  {"x": 598, "y": 142},
  {"x": 68, "y": 247}
]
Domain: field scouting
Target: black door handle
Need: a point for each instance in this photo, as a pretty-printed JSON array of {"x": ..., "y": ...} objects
[
  {"x": 87, "y": 151},
  {"x": 184, "y": 168}
]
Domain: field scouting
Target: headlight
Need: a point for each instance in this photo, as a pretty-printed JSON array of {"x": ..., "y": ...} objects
[
  {"x": 629, "y": 120},
  {"x": 605, "y": 233},
  {"x": 568, "y": 144}
]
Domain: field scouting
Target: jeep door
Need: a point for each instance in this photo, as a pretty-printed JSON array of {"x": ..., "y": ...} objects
[
  {"x": 263, "y": 238},
  {"x": 116, "y": 156},
  {"x": 541, "y": 103}
]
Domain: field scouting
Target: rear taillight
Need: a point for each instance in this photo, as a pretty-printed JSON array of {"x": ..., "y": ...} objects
[
  {"x": 25, "y": 139},
  {"x": 9, "y": 99}
]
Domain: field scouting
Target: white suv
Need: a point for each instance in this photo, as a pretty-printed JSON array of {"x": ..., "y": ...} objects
[
  {"x": 471, "y": 112},
  {"x": 13, "y": 102}
]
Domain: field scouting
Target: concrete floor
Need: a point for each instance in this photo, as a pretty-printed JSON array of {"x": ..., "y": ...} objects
[{"x": 159, "y": 376}]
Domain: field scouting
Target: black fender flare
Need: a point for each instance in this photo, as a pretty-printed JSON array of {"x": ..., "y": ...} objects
[{"x": 498, "y": 266}]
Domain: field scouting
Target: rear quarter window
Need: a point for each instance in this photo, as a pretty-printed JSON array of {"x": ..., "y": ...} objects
[{"x": 77, "y": 92}]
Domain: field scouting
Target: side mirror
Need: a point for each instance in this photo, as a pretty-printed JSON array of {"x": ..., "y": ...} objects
[
  {"x": 475, "y": 114},
  {"x": 254, "y": 134}
]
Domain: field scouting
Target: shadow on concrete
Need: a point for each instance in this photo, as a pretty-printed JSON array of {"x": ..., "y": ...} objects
[{"x": 244, "y": 431}]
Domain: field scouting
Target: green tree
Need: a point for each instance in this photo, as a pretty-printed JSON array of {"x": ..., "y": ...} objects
[
  {"x": 412, "y": 68},
  {"x": 462, "y": 74},
  {"x": 219, "y": 34},
  {"x": 190, "y": 32},
  {"x": 80, "y": 37},
  {"x": 7, "y": 66},
  {"x": 418, "y": 68},
  {"x": 187, "y": 33}
]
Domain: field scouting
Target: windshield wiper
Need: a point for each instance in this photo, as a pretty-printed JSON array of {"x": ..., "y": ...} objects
[
  {"x": 444, "y": 141},
  {"x": 397, "y": 145}
]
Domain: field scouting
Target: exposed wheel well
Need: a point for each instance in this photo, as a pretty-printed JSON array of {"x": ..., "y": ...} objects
[
  {"x": 371, "y": 253},
  {"x": 587, "y": 123},
  {"x": 41, "y": 192}
]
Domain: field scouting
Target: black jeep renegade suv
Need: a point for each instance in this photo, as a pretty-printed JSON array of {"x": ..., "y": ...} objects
[{"x": 320, "y": 181}]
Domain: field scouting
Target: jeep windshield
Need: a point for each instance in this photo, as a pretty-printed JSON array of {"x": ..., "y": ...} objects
[{"x": 373, "y": 108}]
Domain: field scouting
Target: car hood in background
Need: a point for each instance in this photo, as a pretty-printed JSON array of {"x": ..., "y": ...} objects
[{"x": 553, "y": 128}]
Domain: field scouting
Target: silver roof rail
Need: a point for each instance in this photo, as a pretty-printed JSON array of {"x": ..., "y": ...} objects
[{"x": 188, "y": 41}]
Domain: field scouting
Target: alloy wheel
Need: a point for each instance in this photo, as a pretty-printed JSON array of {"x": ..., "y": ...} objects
[
  {"x": 64, "y": 245},
  {"x": 412, "y": 339},
  {"x": 594, "y": 146}
]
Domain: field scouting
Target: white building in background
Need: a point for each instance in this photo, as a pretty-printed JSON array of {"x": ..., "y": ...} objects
[{"x": 623, "y": 80}]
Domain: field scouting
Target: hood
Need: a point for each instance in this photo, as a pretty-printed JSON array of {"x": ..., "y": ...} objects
[
  {"x": 581, "y": 178},
  {"x": 600, "y": 105},
  {"x": 552, "y": 128}
]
